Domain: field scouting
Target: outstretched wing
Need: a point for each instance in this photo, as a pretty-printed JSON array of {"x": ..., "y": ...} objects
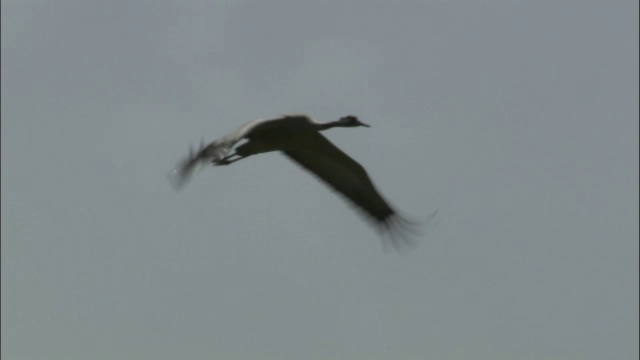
[{"x": 346, "y": 176}]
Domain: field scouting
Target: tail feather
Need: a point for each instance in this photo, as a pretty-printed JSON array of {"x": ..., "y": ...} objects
[
  {"x": 217, "y": 150},
  {"x": 182, "y": 173}
]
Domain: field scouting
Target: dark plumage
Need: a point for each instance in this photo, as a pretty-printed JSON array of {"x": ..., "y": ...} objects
[{"x": 299, "y": 138}]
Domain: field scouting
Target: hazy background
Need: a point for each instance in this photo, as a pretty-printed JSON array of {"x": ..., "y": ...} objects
[{"x": 517, "y": 119}]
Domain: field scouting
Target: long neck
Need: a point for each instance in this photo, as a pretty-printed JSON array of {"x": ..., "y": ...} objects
[{"x": 328, "y": 125}]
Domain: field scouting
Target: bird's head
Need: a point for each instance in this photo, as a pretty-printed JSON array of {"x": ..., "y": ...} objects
[{"x": 351, "y": 121}]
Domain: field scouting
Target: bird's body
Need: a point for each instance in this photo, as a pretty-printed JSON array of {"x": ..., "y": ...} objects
[{"x": 298, "y": 137}]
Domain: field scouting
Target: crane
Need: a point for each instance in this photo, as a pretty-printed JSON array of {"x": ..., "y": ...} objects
[{"x": 298, "y": 137}]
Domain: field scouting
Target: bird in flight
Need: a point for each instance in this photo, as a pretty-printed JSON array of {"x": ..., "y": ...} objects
[{"x": 298, "y": 137}]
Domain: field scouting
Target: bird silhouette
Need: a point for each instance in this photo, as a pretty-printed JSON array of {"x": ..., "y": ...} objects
[{"x": 298, "y": 137}]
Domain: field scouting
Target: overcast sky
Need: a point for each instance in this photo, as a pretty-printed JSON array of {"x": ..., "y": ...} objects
[{"x": 517, "y": 120}]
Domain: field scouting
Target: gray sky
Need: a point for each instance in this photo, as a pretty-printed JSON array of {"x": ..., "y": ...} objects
[{"x": 518, "y": 120}]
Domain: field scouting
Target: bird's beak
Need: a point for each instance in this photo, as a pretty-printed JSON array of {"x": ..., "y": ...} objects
[{"x": 365, "y": 125}]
